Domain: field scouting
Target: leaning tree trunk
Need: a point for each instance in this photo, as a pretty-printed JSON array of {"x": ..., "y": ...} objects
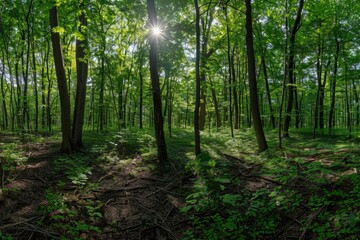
[
  {"x": 260, "y": 136},
  {"x": 67, "y": 141},
  {"x": 158, "y": 118},
  {"x": 272, "y": 117}
]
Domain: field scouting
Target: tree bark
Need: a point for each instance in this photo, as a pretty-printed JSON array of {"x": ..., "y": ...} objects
[
  {"x": 259, "y": 132},
  {"x": 333, "y": 88},
  {"x": 272, "y": 117},
  {"x": 81, "y": 77},
  {"x": 155, "y": 84},
  {"x": 216, "y": 105},
  {"x": 198, "y": 80},
  {"x": 67, "y": 141},
  {"x": 291, "y": 79}
]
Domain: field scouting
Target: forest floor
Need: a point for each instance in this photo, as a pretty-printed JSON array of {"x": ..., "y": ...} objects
[{"x": 115, "y": 189}]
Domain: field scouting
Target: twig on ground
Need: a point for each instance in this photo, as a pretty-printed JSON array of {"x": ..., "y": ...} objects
[
  {"x": 310, "y": 220},
  {"x": 159, "y": 190},
  {"x": 17, "y": 223}
]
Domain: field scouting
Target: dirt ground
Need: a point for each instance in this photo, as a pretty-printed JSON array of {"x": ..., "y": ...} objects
[{"x": 144, "y": 205}]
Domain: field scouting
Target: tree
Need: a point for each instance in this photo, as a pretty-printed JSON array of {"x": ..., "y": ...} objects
[
  {"x": 259, "y": 132},
  {"x": 291, "y": 79},
  {"x": 81, "y": 73},
  {"x": 198, "y": 80},
  {"x": 157, "y": 104},
  {"x": 67, "y": 144}
]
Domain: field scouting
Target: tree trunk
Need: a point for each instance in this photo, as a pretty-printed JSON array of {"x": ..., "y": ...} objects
[
  {"x": 235, "y": 92},
  {"x": 155, "y": 84},
  {"x": 3, "y": 94},
  {"x": 333, "y": 88},
  {"x": 81, "y": 77},
  {"x": 283, "y": 87},
  {"x": 272, "y": 117},
  {"x": 216, "y": 105},
  {"x": 356, "y": 96},
  {"x": 252, "y": 80},
  {"x": 67, "y": 141},
  {"x": 291, "y": 79},
  {"x": 229, "y": 72},
  {"x": 141, "y": 91},
  {"x": 198, "y": 80},
  {"x": 322, "y": 97}
]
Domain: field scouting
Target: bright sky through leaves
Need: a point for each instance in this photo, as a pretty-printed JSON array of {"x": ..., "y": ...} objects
[{"x": 156, "y": 31}]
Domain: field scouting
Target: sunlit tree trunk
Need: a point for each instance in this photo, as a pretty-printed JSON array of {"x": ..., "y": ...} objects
[
  {"x": 291, "y": 79},
  {"x": 36, "y": 120},
  {"x": 157, "y": 104},
  {"x": 268, "y": 95},
  {"x": 235, "y": 92},
  {"x": 141, "y": 100},
  {"x": 81, "y": 77},
  {"x": 229, "y": 75},
  {"x": 216, "y": 104},
  {"x": 259, "y": 132},
  {"x": 3, "y": 94},
  {"x": 333, "y": 88},
  {"x": 67, "y": 141}
]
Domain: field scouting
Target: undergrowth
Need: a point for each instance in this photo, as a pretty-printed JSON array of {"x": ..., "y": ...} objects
[{"x": 315, "y": 191}]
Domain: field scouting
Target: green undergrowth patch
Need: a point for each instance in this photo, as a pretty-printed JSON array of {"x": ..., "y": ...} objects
[
  {"x": 314, "y": 188},
  {"x": 69, "y": 208},
  {"x": 10, "y": 158}
]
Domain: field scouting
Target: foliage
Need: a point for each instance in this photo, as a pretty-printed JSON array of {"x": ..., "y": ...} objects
[
  {"x": 222, "y": 215},
  {"x": 324, "y": 187},
  {"x": 128, "y": 143},
  {"x": 64, "y": 219},
  {"x": 10, "y": 158},
  {"x": 76, "y": 168}
]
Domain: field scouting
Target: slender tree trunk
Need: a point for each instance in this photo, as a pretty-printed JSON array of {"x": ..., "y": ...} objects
[
  {"x": 356, "y": 96},
  {"x": 272, "y": 117},
  {"x": 49, "y": 88},
  {"x": 141, "y": 91},
  {"x": 157, "y": 104},
  {"x": 260, "y": 136},
  {"x": 67, "y": 141},
  {"x": 216, "y": 105},
  {"x": 229, "y": 72},
  {"x": 235, "y": 92},
  {"x": 333, "y": 88},
  {"x": 198, "y": 80},
  {"x": 81, "y": 77},
  {"x": 283, "y": 88},
  {"x": 347, "y": 101},
  {"x": 26, "y": 116},
  {"x": 102, "y": 89},
  {"x": 43, "y": 97},
  {"x": 291, "y": 79},
  {"x": 35, "y": 87},
  {"x": 318, "y": 73},
  {"x": 3, "y": 93},
  {"x": 206, "y": 23},
  {"x": 322, "y": 97}
]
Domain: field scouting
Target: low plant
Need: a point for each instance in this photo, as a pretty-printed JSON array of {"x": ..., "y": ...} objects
[
  {"x": 64, "y": 219},
  {"x": 76, "y": 168},
  {"x": 10, "y": 158},
  {"x": 218, "y": 214}
]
